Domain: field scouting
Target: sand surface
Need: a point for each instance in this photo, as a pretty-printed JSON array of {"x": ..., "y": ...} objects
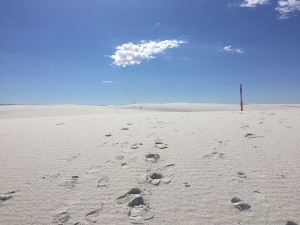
[{"x": 150, "y": 164}]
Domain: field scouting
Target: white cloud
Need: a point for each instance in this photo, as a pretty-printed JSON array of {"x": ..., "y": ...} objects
[
  {"x": 131, "y": 54},
  {"x": 107, "y": 82},
  {"x": 184, "y": 58},
  {"x": 229, "y": 48},
  {"x": 253, "y": 3},
  {"x": 158, "y": 24},
  {"x": 240, "y": 51},
  {"x": 286, "y": 7}
]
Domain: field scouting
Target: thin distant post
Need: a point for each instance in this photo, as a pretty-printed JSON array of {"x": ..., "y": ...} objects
[{"x": 241, "y": 96}]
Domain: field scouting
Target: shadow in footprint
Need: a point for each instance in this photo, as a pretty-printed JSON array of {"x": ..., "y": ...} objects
[
  {"x": 156, "y": 178},
  {"x": 134, "y": 146},
  {"x": 7, "y": 196},
  {"x": 4, "y": 198},
  {"x": 137, "y": 201},
  {"x": 186, "y": 184},
  {"x": 291, "y": 223},
  {"x": 249, "y": 135},
  {"x": 237, "y": 203},
  {"x": 159, "y": 144},
  {"x": 240, "y": 177},
  {"x": 134, "y": 192},
  {"x": 152, "y": 158}
]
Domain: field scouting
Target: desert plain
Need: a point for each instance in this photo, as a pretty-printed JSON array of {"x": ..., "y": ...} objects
[{"x": 174, "y": 163}]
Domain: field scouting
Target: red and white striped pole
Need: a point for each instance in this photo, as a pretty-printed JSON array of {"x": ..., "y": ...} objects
[{"x": 241, "y": 96}]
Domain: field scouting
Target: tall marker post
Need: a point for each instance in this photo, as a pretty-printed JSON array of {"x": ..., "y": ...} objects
[{"x": 241, "y": 96}]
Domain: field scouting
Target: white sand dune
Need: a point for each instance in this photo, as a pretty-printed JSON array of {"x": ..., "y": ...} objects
[{"x": 150, "y": 164}]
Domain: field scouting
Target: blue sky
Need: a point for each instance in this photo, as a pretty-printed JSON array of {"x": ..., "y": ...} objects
[{"x": 114, "y": 52}]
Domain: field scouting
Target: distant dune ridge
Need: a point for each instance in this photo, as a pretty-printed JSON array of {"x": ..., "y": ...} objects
[
  {"x": 175, "y": 163},
  {"x": 29, "y": 111}
]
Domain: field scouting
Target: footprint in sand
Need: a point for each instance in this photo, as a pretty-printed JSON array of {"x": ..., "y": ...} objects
[
  {"x": 237, "y": 203},
  {"x": 61, "y": 219},
  {"x": 125, "y": 128},
  {"x": 50, "y": 176},
  {"x": 159, "y": 144},
  {"x": 119, "y": 157},
  {"x": 134, "y": 192},
  {"x": 135, "y": 146},
  {"x": 4, "y": 198},
  {"x": 129, "y": 161},
  {"x": 93, "y": 170},
  {"x": 152, "y": 158},
  {"x": 139, "y": 210},
  {"x": 103, "y": 144},
  {"x": 258, "y": 195},
  {"x": 244, "y": 126},
  {"x": 7, "y": 196},
  {"x": 258, "y": 174},
  {"x": 108, "y": 135},
  {"x": 186, "y": 184},
  {"x": 124, "y": 144},
  {"x": 103, "y": 183},
  {"x": 251, "y": 136},
  {"x": 70, "y": 183},
  {"x": 155, "y": 178},
  {"x": 92, "y": 216},
  {"x": 215, "y": 155},
  {"x": 168, "y": 170},
  {"x": 71, "y": 157},
  {"x": 241, "y": 174},
  {"x": 240, "y": 177}
]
